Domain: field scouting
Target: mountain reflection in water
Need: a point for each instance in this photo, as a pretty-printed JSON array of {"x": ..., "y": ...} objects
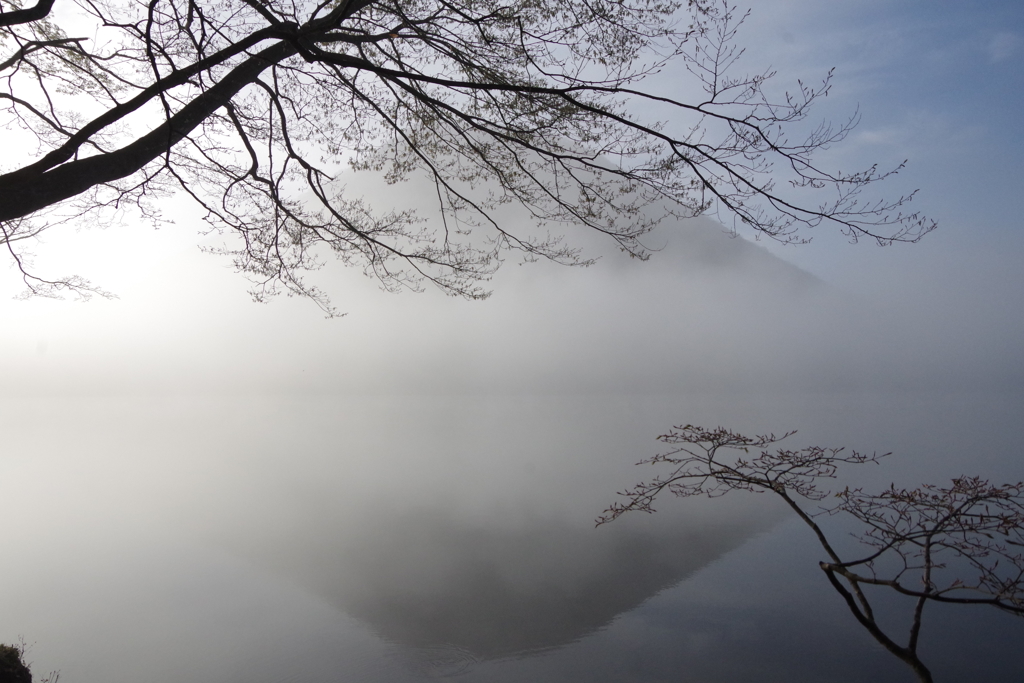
[
  {"x": 406, "y": 539},
  {"x": 426, "y": 580}
]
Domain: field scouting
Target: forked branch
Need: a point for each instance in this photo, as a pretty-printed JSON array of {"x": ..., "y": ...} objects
[{"x": 959, "y": 544}]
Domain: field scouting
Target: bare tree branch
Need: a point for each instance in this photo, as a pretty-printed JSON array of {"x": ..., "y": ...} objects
[
  {"x": 961, "y": 544},
  {"x": 535, "y": 103}
]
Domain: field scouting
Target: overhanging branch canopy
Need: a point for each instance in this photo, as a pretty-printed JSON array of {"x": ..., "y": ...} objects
[{"x": 249, "y": 106}]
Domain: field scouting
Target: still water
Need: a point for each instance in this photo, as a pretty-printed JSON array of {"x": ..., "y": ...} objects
[{"x": 277, "y": 539}]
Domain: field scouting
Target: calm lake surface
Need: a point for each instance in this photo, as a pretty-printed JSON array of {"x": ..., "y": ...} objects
[{"x": 273, "y": 539}]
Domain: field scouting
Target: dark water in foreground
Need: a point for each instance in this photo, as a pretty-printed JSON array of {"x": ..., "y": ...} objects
[{"x": 417, "y": 538}]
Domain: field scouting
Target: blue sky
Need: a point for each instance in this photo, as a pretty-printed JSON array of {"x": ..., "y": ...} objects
[{"x": 937, "y": 83}]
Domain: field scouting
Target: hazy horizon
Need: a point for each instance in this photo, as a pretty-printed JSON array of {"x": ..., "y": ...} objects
[{"x": 200, "y": 487}]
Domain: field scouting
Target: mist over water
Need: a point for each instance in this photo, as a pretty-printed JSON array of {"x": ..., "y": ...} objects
[
  {"x": 195, "y": 488},
  {"x": 388, "y": 512},
  {"x": 381, "y": 538},
  {"x": 198, "y": 489}
]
